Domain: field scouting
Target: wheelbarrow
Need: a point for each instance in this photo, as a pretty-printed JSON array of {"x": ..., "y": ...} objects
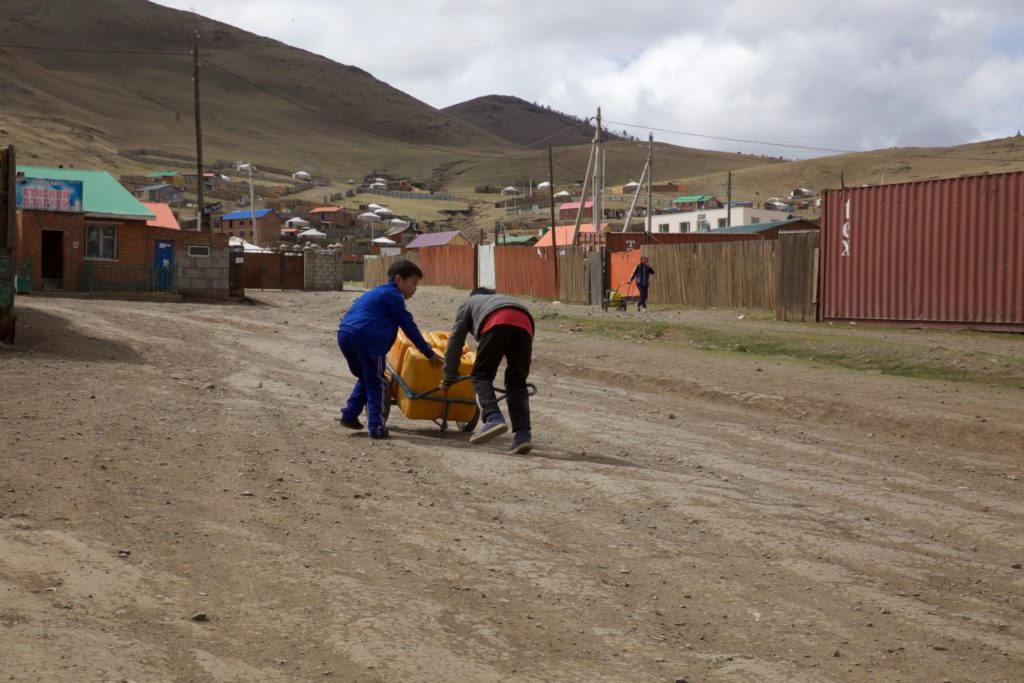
[{"x": 450, "y": 407}]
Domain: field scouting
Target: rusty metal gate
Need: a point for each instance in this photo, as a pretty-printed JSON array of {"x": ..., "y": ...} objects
[{"x": 273, "y": 271}]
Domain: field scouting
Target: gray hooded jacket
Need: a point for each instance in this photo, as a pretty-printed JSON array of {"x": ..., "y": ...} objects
[{"x": 470, "y": 318}]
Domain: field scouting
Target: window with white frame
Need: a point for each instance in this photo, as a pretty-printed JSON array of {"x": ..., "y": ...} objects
[
  {"x": 684, "y": 226},
  {"x": 198, "y": 250},
  {"x": 662, "y": 227},
  {"x": 101, "y": 241},
  {"x": 722, "y": 222}
]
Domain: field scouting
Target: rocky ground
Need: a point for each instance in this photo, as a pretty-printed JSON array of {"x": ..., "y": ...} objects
[{"x": 177, "y": 503}]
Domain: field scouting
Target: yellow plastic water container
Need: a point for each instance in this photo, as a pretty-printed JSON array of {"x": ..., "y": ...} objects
[
  {"x": 460, "y": 412},
  {"x": 420, "y": 376},
  {"x": 397, "y": 352}
]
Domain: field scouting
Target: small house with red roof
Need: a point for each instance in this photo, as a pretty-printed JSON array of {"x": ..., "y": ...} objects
[
  {"x": 589, "y": 236},
  {"x": 568, "y": 210}
]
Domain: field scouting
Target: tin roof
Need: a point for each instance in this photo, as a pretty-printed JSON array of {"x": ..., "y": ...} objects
[
  {"x": 565, "y": 234},
  {"x": 102, "y": 195},
  {"x": 693, "y": 198},
  {"x": 756, "y": 227},
  {"x": 244, "y": 213},
  {"x": 164, "y": 216},
  {"x": 433, "y": 239},
  {"x": 161, "y": 174}
]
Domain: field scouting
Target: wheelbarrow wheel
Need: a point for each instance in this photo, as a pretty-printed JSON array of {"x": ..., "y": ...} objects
[{"x": 473, "y": 421}]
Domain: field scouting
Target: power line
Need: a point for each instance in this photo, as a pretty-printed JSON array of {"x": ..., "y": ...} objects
[
  {"x": 95, "y": 50},
  {"x": 918, "y": 155}
]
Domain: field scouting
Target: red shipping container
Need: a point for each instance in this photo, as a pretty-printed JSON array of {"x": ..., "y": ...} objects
[{"x": 935, "y": 252}]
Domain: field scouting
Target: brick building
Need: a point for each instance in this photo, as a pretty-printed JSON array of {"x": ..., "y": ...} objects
[
  {"x": 101, "y": 233},
  {"x": 267, "y": 229}
]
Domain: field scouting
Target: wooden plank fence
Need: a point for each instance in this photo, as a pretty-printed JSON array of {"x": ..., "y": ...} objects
[
  {"x": 798, "y": 276},
  {"x": 572, "y": 275},
  {"x": 741, "y": 274},
  {"x": 724, "y": 275}
]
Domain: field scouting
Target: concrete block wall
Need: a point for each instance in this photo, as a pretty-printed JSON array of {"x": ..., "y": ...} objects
[
  {"x": 322, "y": 270},
  {"x": 203, "y": 275}
]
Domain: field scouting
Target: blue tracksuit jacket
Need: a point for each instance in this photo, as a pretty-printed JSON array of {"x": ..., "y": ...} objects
[{"x": 375, "y": 318}]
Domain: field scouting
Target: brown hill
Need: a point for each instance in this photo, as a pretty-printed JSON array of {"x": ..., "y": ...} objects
[
  {"x": 80, "y": 81},
  {"x": 119, "y": 74},
  {"x": 525, "y": 124}
]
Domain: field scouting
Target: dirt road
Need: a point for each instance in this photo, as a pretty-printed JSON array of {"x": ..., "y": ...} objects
[{"x": 685, "y": 515}]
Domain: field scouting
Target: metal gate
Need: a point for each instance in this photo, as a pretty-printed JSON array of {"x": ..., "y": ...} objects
[
  {"x": 236, "y": 271},
  {"x": 485, "y": 266},
  {"x": 595, "y": 277},
  {"x": 273, "y": 271}
]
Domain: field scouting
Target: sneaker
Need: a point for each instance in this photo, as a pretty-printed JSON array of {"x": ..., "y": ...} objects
[
  {"x": 350, "y": 424},
  {"x": 492, "y": 427},
  {"x": 380, "y": 433},
  {"x": 520, "y": 444}
]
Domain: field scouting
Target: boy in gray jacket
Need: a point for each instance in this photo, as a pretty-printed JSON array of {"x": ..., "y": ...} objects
[{"x": 503, "y": 328}]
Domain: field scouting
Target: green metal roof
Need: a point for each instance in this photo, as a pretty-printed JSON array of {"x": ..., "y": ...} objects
[
  {"x": 160, "y": 174},
  {"x": 516, "y": 239},
  {"x": 101, "y": 194},
  {"x": 693, "y": 198}
]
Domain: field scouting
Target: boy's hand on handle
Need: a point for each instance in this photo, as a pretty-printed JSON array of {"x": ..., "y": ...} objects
[{"x": 443, "y": 386}]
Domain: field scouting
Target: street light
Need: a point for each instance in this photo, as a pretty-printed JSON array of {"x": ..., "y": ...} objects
[{"x": 252, "y": 201}]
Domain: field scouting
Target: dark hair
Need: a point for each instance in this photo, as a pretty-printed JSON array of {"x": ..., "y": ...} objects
[
  {"x": 403, "y": 269},
  {"x": 482, "y": 290}
]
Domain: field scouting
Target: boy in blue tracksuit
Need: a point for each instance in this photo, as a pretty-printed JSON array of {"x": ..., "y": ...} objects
[{"x": 365, "y": 335}]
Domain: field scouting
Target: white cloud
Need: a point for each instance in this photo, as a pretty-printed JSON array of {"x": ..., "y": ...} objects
[{"x": 860, "y": 75}]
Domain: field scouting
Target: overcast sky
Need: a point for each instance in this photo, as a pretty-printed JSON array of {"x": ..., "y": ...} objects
[{"x": 858, "y": 75}]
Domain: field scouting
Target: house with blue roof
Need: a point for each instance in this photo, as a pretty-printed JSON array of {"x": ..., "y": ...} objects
[{"x": 264, "y": 231}]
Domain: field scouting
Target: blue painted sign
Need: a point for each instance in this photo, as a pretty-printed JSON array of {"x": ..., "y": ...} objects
[{"x": 44, "y": 194}]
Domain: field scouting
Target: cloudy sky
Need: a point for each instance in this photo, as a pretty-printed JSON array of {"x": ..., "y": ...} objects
[{"x": 809, "y": 77}]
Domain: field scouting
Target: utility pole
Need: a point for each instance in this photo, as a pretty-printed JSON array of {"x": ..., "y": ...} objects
[
  {"x": 554, "y": 232},
  {"x": 200, "y": 213},
  {"x": 728, "y": 202},
  {"x": 650, "y": 182},
  {"x": 598, "y": 214}
]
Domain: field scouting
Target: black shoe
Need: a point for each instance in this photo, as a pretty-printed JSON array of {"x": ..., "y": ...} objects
[
  {"x": 520, "y": 443},
  {"x": 381, "y": 433},
  {"x": 490, "y": 429},
  {"x": 350, "y": 424}
]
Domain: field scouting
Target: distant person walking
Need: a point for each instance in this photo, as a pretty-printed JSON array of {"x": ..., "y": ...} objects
[{"x": 642, "y": 275}]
